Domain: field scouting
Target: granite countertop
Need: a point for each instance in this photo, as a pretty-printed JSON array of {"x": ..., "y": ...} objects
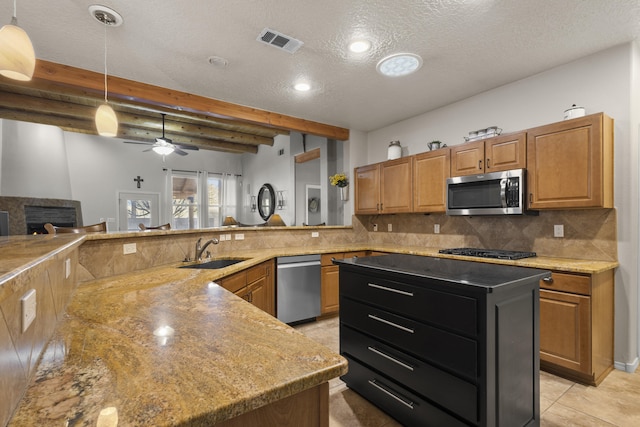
[
  {"x": 164, "y": 347},
  {"x": 19, "y": 253}
]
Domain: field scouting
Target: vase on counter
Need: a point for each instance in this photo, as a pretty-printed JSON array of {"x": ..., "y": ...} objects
[{"x": 344, "y": 193}]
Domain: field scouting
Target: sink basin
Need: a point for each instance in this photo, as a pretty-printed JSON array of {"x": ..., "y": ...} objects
[{"x": 215, "y": 264}]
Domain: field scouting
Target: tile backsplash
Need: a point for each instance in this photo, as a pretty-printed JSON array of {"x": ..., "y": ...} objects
[{"x": 588, "y": 234}]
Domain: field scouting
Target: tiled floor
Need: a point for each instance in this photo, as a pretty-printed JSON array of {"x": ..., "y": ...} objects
[{"x": 563, "y": 403}]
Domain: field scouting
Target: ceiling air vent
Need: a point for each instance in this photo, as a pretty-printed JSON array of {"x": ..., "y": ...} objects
[{"x": 279, "y": 40}]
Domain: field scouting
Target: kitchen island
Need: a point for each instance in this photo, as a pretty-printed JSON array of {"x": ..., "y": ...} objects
[
  {"x": 163, "y": 347},
  {"x": 436, "y": 342}
]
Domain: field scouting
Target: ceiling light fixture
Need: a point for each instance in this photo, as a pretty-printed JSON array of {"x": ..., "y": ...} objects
[
  {"x": 302, "y": 87},
  {"x": 360, "y": 46},
  {"x": 399, "y": 64},
  {"x": 106, "y": 119},
  {"x": 163, "y": 150},
  {"x": 17, "y": 58}
]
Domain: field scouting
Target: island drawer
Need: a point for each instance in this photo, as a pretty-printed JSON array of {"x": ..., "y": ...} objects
[
  {"x": 402, "y": 404},
  {"x": 441, "y": 387},
  {"x": 437, "y": 346},
  {"x": 455, "y": 312}
]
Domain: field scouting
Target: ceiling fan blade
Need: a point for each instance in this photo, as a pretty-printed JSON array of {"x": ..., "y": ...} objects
[
  {"x": 186, "y": 147},
  {"x": 180, "y": 152},
  {"x": 139, "y": 142}
]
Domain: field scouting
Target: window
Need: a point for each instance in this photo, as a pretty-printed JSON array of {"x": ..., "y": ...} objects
[
  {"x": 185, "y": 201},
  {"x": 192, "y": 208},
  {"x": 214, "y": 201}
]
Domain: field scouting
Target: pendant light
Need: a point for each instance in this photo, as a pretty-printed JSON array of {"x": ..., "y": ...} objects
[
  {"x": 106, "y": 119},
  {"x": 17, "y": 58}
]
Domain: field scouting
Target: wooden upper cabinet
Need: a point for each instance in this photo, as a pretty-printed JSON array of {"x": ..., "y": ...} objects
[
  {"x": 570, "y": 164},
  {"x": 499, "y": 153},
  {"x": 384, "y": 187},
  {"x": 396, "y": 182},
  {"x": 367, "y": 189},
  {"x": 430, "y": 173}
]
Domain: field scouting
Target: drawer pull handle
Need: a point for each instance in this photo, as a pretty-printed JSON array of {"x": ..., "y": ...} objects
[
  {"x": 391, "y": 358},
  {"x": 548, "y": 280},
  {"x": 409, "y": 404},
  {"x": 385, "y": 288},
  {"x": 395, "y": 325}
]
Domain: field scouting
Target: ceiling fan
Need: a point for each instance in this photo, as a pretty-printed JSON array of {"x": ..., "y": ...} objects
[{"x": 164, "y": 145}]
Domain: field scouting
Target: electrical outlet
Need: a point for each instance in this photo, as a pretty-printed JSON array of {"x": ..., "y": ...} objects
[
  {"x": 375, "y": 227},
  {"x": 67, "y": 268},
  {"x": 389, "y": 227},
  {"x": 315, "y": 234},
  {"x": 436, "y": 228},
  {"x": 227, "y": 237},
  {"x": 28, "y": 309},
  {"x": 239, "y": 236},
  {"x": 129, "y": 248},
  {"x": 558, "y": 230}
]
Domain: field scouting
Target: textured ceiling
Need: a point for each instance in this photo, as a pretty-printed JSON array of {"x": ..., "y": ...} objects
[{"x": 468, "y": 47}]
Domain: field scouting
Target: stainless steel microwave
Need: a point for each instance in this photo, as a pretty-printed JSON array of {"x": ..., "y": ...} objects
[{"x": 495, "y": 193}]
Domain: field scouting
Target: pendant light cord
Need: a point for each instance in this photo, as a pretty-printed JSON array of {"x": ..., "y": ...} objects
[
  {"x": 14, "y": 18},
  {"x": 105, "y": 61}
]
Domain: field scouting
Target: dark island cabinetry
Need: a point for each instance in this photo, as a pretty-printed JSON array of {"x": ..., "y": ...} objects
[{"x": 440, "y": 342}]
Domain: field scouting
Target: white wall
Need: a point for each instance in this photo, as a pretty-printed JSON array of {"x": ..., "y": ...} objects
[
  {"x": 603, "y": 82},
  {"x": 269, "y": 167},
  {"x": 34, "y": 161}
]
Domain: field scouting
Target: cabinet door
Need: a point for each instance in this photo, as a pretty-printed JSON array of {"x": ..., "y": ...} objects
[
  {"x": 396, "y": 186},
  {"x": 506, "y": 152},
  {"x": 259, "y": 295},
  {"x": 367, "y": 189},
  {"x": 430, "y": 173},
  {"x": 570, "y": 164},
  {"x": 330, "y": 290},
  {"x": 261, "y": 288},
  {"x": 565, "y": 334},
  {"x": 467, "y": 159}
]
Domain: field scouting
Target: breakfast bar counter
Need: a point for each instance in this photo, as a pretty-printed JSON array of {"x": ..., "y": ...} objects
[{"x": 163, "y": 347}]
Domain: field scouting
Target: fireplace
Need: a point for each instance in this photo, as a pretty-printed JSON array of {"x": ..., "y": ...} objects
[
  {"x": 37, "y": 216},
  {"x": 28, "y": 215}
]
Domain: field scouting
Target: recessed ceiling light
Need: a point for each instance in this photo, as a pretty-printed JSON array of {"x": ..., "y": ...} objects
[
  {"x": 360, "y": 46},
  {"x": 399, "y": 64},
  {"x": 302, "y": 87}
]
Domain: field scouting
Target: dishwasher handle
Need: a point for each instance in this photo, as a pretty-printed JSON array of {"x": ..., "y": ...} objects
[{"x": 298, "y": 264}]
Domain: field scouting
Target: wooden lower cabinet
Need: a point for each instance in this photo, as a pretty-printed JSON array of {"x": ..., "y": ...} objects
[
  {"x": 330, "y": 282},
  {"x": 577, "y": 326},
  {"x": 256, "y": 285}
]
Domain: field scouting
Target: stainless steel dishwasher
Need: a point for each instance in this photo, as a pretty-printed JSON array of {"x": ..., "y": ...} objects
[{"x": 298, "y": 288}]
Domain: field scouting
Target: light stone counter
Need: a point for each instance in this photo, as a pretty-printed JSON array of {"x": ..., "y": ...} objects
[
  {"x": 221, "y": 357},
  {"x": 224, "y": 358}
]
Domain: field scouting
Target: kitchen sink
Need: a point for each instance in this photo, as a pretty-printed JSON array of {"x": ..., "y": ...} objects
[{"x": 214, "y": 264}]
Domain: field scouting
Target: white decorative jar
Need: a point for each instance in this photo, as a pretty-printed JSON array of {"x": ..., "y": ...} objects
[{"x": 394, "y": 151}]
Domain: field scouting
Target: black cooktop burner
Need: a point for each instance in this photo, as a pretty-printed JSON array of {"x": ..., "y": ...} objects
[{"x": 488, "y": 253}]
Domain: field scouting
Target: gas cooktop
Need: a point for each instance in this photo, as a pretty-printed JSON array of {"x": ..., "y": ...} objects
[{"x": 488, "y": 253}]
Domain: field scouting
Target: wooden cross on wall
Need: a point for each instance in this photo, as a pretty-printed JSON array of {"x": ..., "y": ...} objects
[{"x": 138, "y": 180}]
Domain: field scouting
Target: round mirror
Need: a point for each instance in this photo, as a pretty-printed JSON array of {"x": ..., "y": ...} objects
[{"x": 266, "y": 201}]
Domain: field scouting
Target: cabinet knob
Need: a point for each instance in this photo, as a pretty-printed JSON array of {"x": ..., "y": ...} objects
[{"x": 548, "y": 280}]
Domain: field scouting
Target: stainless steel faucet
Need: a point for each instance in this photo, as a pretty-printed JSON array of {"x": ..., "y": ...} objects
[{"x": 200, "y": 249}]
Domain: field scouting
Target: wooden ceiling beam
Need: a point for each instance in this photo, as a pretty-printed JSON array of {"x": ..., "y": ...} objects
[
  {"x": 130, "y": 90},
  {"x": 61, "y": 112}
]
